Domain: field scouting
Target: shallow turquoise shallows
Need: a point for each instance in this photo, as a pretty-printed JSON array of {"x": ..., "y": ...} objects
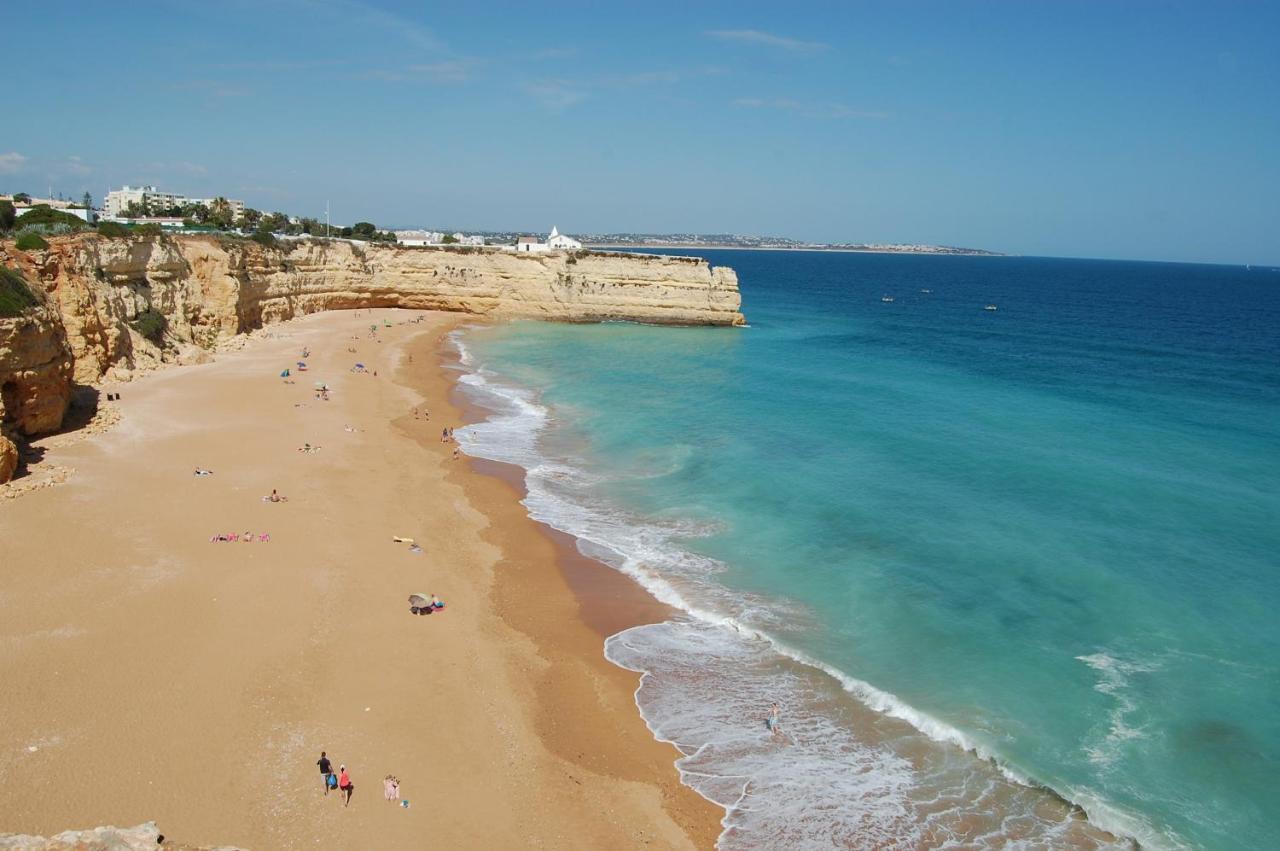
[{"x": 993, "y": 565}]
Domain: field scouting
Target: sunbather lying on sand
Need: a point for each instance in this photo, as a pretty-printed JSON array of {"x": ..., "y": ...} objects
[
  {"x": 275, "y": 497},
  {"x": 200, "y": 471}
]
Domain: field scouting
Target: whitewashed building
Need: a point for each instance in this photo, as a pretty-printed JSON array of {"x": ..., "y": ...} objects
[
  {"x": 419, "y": 237},
  {"x": 557, "y": 240},
  {"x": 531, "y": 244}
]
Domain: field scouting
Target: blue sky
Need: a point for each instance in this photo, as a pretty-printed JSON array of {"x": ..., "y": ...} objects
[{"x": 1114, "y": 129}]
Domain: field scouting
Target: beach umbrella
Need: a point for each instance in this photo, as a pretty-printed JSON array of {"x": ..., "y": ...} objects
[
  {"x": 419, "y": 600},
  {"x": 320, "y": 385},
  {"x": 359, "y": 366},
  {"x": 302, "y": 364},
  {"x": 284, "y": 374}
]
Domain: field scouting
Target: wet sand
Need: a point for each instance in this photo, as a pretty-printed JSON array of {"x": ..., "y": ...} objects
[{"x": 153, "y": 675}]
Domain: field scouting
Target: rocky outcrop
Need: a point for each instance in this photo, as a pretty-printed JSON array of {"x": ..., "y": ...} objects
[
  {"x": 144, "y": 837},
  {"x": 113, "y": 306},
  {"x": 8, "y": 458},
  {"x": 35, "y": 367}
]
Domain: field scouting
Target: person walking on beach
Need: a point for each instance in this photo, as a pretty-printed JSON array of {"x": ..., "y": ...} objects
[
  {"x": 326, "y": 769},
  {"x": 345, "y": 787}
]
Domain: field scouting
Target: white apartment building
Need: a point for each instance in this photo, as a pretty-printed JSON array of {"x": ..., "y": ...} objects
[{"x": 113, "y": 206}]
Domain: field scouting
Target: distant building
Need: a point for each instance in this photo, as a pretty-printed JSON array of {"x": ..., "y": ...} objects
[
  {"x": 419, "y": 237},
  {"x": 531, "y": 244},
  {"x": 557, "y": 240},
  {"x": 22, "y": 207},
  {"x": 118, "y": 200}
]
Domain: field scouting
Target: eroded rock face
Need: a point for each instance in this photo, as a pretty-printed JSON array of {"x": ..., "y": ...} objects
[
  {"x": 8, "y": 458},
  {"x": 113, "y": 307},
  {"x": 35, "y": 367}
]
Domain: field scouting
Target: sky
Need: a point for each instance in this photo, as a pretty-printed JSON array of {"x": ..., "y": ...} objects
[{"x": 1143, "y": 130}]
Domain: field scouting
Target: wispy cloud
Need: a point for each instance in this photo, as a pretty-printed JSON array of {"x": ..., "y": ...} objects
[
  {"x": 12, "y": 162},
  {"x": 767, "y": 39},
  {"x": 74, "y": 166},
  {"x": 809, "y": 110},
  {"x": 555, "y": 95},
  {"x": 212, "y": 88},
  {"x": 447, "y": 70},
  {"x": 352, "y": 13}
]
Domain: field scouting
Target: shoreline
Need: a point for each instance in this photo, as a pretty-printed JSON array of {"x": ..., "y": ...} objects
[
  {"x": 878, "y": 716},
  {"x": 202, "y": 679}
]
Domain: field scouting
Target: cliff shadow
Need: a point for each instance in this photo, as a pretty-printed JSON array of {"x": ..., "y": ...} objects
[{"x": 83, "y": 409}]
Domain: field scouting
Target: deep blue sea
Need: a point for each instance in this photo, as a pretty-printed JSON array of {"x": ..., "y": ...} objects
[{"x": 1012, "y": 576}]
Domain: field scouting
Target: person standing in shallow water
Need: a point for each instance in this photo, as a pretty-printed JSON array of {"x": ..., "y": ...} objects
[{"x": 326, "y": 768}]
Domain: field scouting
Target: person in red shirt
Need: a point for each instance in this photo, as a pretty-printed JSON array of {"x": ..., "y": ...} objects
[{"x": 345, "y": 786}]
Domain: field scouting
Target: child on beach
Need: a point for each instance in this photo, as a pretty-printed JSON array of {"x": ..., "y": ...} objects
[
  {"x": 345, "y": 786},
  {"x": 391, "y": 788}
]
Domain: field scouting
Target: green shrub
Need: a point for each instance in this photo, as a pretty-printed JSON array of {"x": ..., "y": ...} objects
[
  {"x": 43, "y": 214},
  {"x": 15, "y": 295},
  {"x": 30, "y": 242},
  {"x": 114, "y": 230},
  {"x": 149, "y": 229},
  {"x": 150, "y": 323},
  {"x": 264, "y": 238}
]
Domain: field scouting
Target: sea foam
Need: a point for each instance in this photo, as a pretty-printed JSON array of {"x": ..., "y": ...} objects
[{"x": 709, "y": 676}]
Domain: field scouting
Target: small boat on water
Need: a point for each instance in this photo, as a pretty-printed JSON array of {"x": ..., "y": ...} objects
[
  {"x": 990, "y": 307},
  {"x": 926, "y": 292},
  {"x": 886, "y": 298}
]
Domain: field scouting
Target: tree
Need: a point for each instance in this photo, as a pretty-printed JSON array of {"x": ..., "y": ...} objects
[
  {"x": 137, "y": 209},
  {"x": 220, "y": 212},
  {"x": 363, "y": 230},
  {"x": 22, "y": 198},
  {"x": 449, "y": 239},
  {"x": 7, "y": 216},
  {"x": 249, "y": 218},
  {"x": 198, "y": 212},
  {"x": 87, "y": 200}
]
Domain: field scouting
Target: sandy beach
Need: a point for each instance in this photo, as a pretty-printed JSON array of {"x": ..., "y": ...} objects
[{"x": 151, "y": 674}]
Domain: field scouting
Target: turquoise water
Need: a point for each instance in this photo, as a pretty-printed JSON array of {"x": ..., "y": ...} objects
[{"x": 975, "y": 555}]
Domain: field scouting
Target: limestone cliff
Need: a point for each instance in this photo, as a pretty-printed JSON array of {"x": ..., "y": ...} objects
[
  {"x": 35, "y": 368},
  {"x": 110, "y": 306}
]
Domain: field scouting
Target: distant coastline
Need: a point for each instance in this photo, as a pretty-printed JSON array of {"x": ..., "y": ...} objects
[{"x": 837, "y": 249}]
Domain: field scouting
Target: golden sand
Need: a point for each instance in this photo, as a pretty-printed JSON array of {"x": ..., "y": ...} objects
[{"x": 150, "y": 674}]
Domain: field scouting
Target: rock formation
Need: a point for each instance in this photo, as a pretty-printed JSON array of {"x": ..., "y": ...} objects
[
  {"x": 35, "y": 367},
  {"x": 8, "y": 458},
  {"x": 110, "y": 306}
]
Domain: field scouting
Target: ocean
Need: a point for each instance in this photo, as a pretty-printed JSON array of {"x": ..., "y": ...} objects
[{"x": 1012, "y": 576}]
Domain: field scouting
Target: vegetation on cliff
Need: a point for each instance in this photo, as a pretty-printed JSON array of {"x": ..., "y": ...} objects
[
  {"x": 15, "y": 296},
  {"x": 30, "y": 242},
  {"x": 150, "y": 323}
]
